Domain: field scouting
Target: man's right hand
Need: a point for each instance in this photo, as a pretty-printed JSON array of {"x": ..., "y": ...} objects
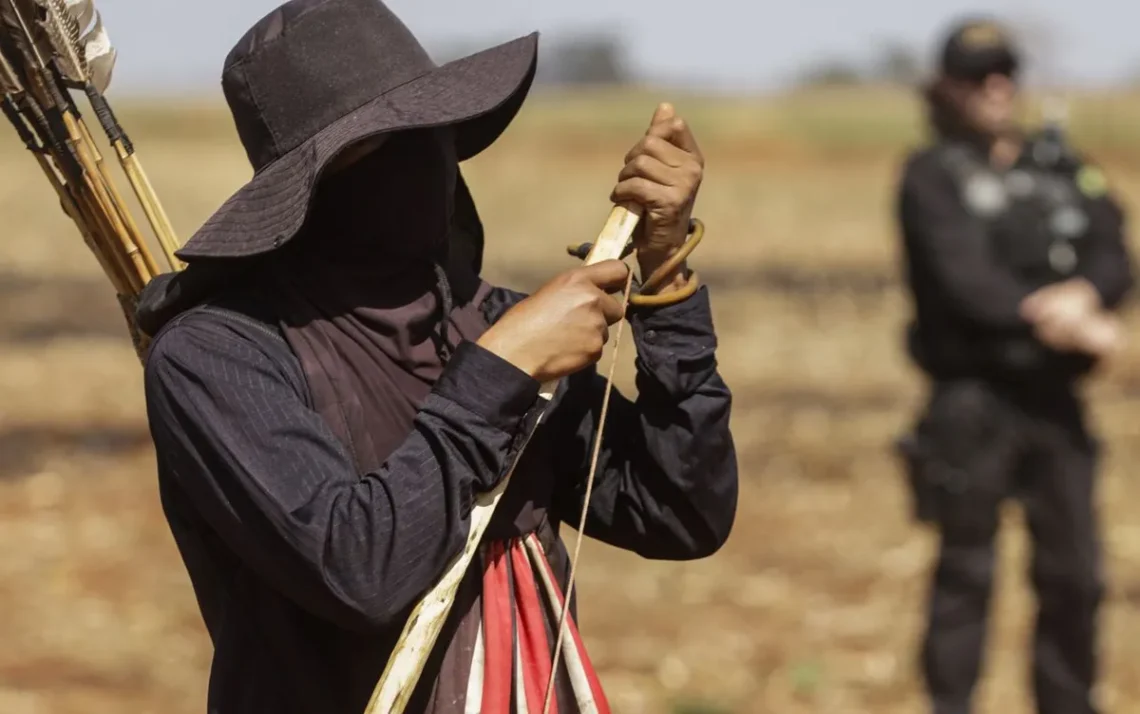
[
  {"x": 1097, "y": 335},
  {"x": 564, "y": 326},
  {"x": 1069, "y": 318}
]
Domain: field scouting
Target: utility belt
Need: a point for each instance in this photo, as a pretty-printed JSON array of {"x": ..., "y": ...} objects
[
  {"x": 945, "y": 353},
  {"x": 961, "y": 421},
  {"x": 952, "y": 456},
  {"x": 925, "y": 479}
]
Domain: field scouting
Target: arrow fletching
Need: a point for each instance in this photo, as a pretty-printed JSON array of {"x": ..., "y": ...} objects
[
  {"x": 81, "y": 45},
  {"x": 101, "y": 54},
  {"x": 63, "y": 33}
]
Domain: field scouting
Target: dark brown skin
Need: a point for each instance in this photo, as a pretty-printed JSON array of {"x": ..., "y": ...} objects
[
  {"x": 663, "y": 174},
  {"x": 563, "y": 327}
]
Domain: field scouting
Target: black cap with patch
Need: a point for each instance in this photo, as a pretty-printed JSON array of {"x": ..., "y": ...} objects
[{"x": 977, "y": 48}]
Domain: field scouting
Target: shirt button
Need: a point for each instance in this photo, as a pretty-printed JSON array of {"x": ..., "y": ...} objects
[{"x": 651, "y": 335}]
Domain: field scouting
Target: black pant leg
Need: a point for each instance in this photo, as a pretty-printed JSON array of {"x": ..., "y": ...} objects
[
  {"x": 1067, "y": 560},
  {"x": 971, "y": 448},
  {"x": 954, "y": 646}
]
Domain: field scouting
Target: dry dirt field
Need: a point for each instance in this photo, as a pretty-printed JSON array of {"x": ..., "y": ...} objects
[{"x": 815, "y": 605}]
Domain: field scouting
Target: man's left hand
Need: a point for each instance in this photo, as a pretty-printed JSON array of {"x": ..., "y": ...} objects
[{"x": 663, "y": 174}]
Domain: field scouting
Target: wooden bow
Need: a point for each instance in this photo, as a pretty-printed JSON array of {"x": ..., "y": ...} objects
[{"x": 422, "y": 629}]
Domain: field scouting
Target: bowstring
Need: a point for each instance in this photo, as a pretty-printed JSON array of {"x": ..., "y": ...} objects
[{"x": 586, "y": 501}]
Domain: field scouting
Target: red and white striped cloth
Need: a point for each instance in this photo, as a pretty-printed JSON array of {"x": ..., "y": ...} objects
[{"x": 513, "y": 651}]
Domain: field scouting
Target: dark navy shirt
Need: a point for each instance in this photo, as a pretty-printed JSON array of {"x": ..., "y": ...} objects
[{"x": 305, "y": 569}]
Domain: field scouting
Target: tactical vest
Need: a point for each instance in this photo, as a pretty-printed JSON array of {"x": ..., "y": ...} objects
[{"x": 1033, "y": 211}]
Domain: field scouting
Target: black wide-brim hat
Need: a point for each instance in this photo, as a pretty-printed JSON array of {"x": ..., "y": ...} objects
[{"x": 315, "y": 77}]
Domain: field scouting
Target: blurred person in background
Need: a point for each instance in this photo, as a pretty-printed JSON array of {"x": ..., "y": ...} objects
[{"x": 1016, "y": 261}]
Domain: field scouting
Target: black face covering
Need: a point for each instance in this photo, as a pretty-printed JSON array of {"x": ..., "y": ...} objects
[
  {"x": 364, "y": 300},
  {"x": 393, "y": 206}
]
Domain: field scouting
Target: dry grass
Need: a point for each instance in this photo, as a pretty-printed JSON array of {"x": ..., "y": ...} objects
[{"x": 813, "y": 606}]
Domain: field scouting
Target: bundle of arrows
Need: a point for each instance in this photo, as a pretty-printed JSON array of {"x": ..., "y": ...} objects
[{"x": 50, "y": 50}]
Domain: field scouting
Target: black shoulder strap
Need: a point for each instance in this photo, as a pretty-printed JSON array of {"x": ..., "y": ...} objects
[
  {"x": 171, "y": 294},
  {"x": 243, "y": 319}
]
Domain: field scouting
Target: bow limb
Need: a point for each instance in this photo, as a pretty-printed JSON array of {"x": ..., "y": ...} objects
[{"x": 406, "y": 665}]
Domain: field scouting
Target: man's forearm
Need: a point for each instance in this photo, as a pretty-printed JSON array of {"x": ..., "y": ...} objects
[
  {"x": 274, "y": 484},
  {"x": 1111, "y": 277},
  {"x": 1107, "y": 264},
  {"x": 675, "y": 280},
  {"x": 668, "y": 482}
]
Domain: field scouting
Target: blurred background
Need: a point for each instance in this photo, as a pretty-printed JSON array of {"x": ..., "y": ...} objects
[{"x": 804, "y": 111}]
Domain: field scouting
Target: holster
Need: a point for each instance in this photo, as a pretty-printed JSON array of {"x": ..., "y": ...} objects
[
  {"x": 943, "y": 456},
  {"x": 919, "y": 468}
]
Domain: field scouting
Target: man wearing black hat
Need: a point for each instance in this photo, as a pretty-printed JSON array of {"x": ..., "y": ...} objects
[
  {"x": 331, "y": 383},
  {"x": 1015, "y": 256}
]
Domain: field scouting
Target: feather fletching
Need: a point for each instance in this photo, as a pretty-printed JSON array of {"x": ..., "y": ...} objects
[
  {"x": 79, "y": 41},
  {"x": 63, "y": 32},
  {"x": 101, "y": 54}
]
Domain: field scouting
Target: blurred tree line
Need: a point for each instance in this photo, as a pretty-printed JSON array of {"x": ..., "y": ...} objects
[
  {"x": 895, "y": 63},
  {"x": 585, "y": 57},
  {"x": 591, "y": 56}
]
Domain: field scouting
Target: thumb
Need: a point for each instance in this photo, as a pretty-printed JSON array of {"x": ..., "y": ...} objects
[
  {"x": 662, "y": 123},
  {"x": 663, "y": 113},
  {"x": 607, "y": 275}
]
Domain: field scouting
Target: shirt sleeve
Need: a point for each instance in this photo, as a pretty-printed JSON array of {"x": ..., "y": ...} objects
[
  {"x": 666, "y": 485},
  {"x": 1107, "y": 263},
  {"x": 232, "y": 427},
  {"x": 952, "y": 249}
]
